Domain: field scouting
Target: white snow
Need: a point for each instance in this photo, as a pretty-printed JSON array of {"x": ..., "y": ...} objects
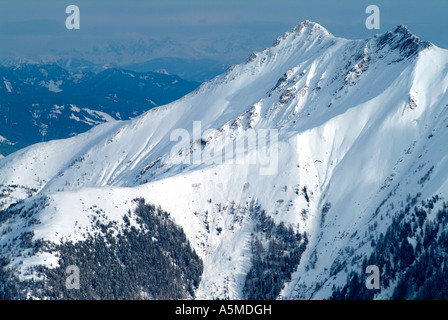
[
  {"x": 4, "y": 140},
  {"x": 100, "y": 114},
  {"x": 7, "y": 85},
  {"x": 346, "y": 133},
  {"x": 74, "y": 108},
  {"x": 52, "y": 85}
]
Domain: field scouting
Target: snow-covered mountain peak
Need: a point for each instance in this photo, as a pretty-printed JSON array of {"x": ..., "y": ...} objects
[
  {"x": 306, "y": 31},
  {"x": 400, "y": 39},
  {"x": 310, "y": 28},
  {"x": 355, "y": 127},
  {"x": 401, "y": 28}
]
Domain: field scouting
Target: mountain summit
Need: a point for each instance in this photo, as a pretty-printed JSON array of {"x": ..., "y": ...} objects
[
  {"x": 288, "y": 174},
  {"x": 306, "y": 29}
]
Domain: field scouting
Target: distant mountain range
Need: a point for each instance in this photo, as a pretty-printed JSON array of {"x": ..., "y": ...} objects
[
  {"x": 45, "y": 102},
  {"x": 189, "y": 69}
]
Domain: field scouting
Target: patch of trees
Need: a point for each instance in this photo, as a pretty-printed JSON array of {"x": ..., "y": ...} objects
[
  {"x": 419, "y": 267},
  {"x": 276, "y": 253},
  {"x": 9, "y": 284},
  {"x": 152, "y": 260}
]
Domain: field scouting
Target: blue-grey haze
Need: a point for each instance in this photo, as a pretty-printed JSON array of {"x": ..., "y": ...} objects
[{"x": 216, "y": 29}]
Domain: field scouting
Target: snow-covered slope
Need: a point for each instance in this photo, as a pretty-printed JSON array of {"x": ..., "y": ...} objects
[{"x": 351, "y": 127}]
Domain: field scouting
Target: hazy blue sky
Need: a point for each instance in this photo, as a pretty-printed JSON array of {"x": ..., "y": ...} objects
[{"x": 227, "y": 30}]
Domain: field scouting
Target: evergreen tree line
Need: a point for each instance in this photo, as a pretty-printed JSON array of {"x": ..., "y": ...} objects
[
  {"x": 272, "y": 266},
  {"x": 153, "y": 261},
  {"x": 9, "y": 288},
  {"x": 420, "y": 269}
]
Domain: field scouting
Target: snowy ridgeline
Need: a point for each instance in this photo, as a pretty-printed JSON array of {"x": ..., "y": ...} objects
[{"x": 359, "y": 153}]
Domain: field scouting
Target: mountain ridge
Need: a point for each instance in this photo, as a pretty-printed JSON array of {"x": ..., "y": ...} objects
[{"x": 352, "y": 132}]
